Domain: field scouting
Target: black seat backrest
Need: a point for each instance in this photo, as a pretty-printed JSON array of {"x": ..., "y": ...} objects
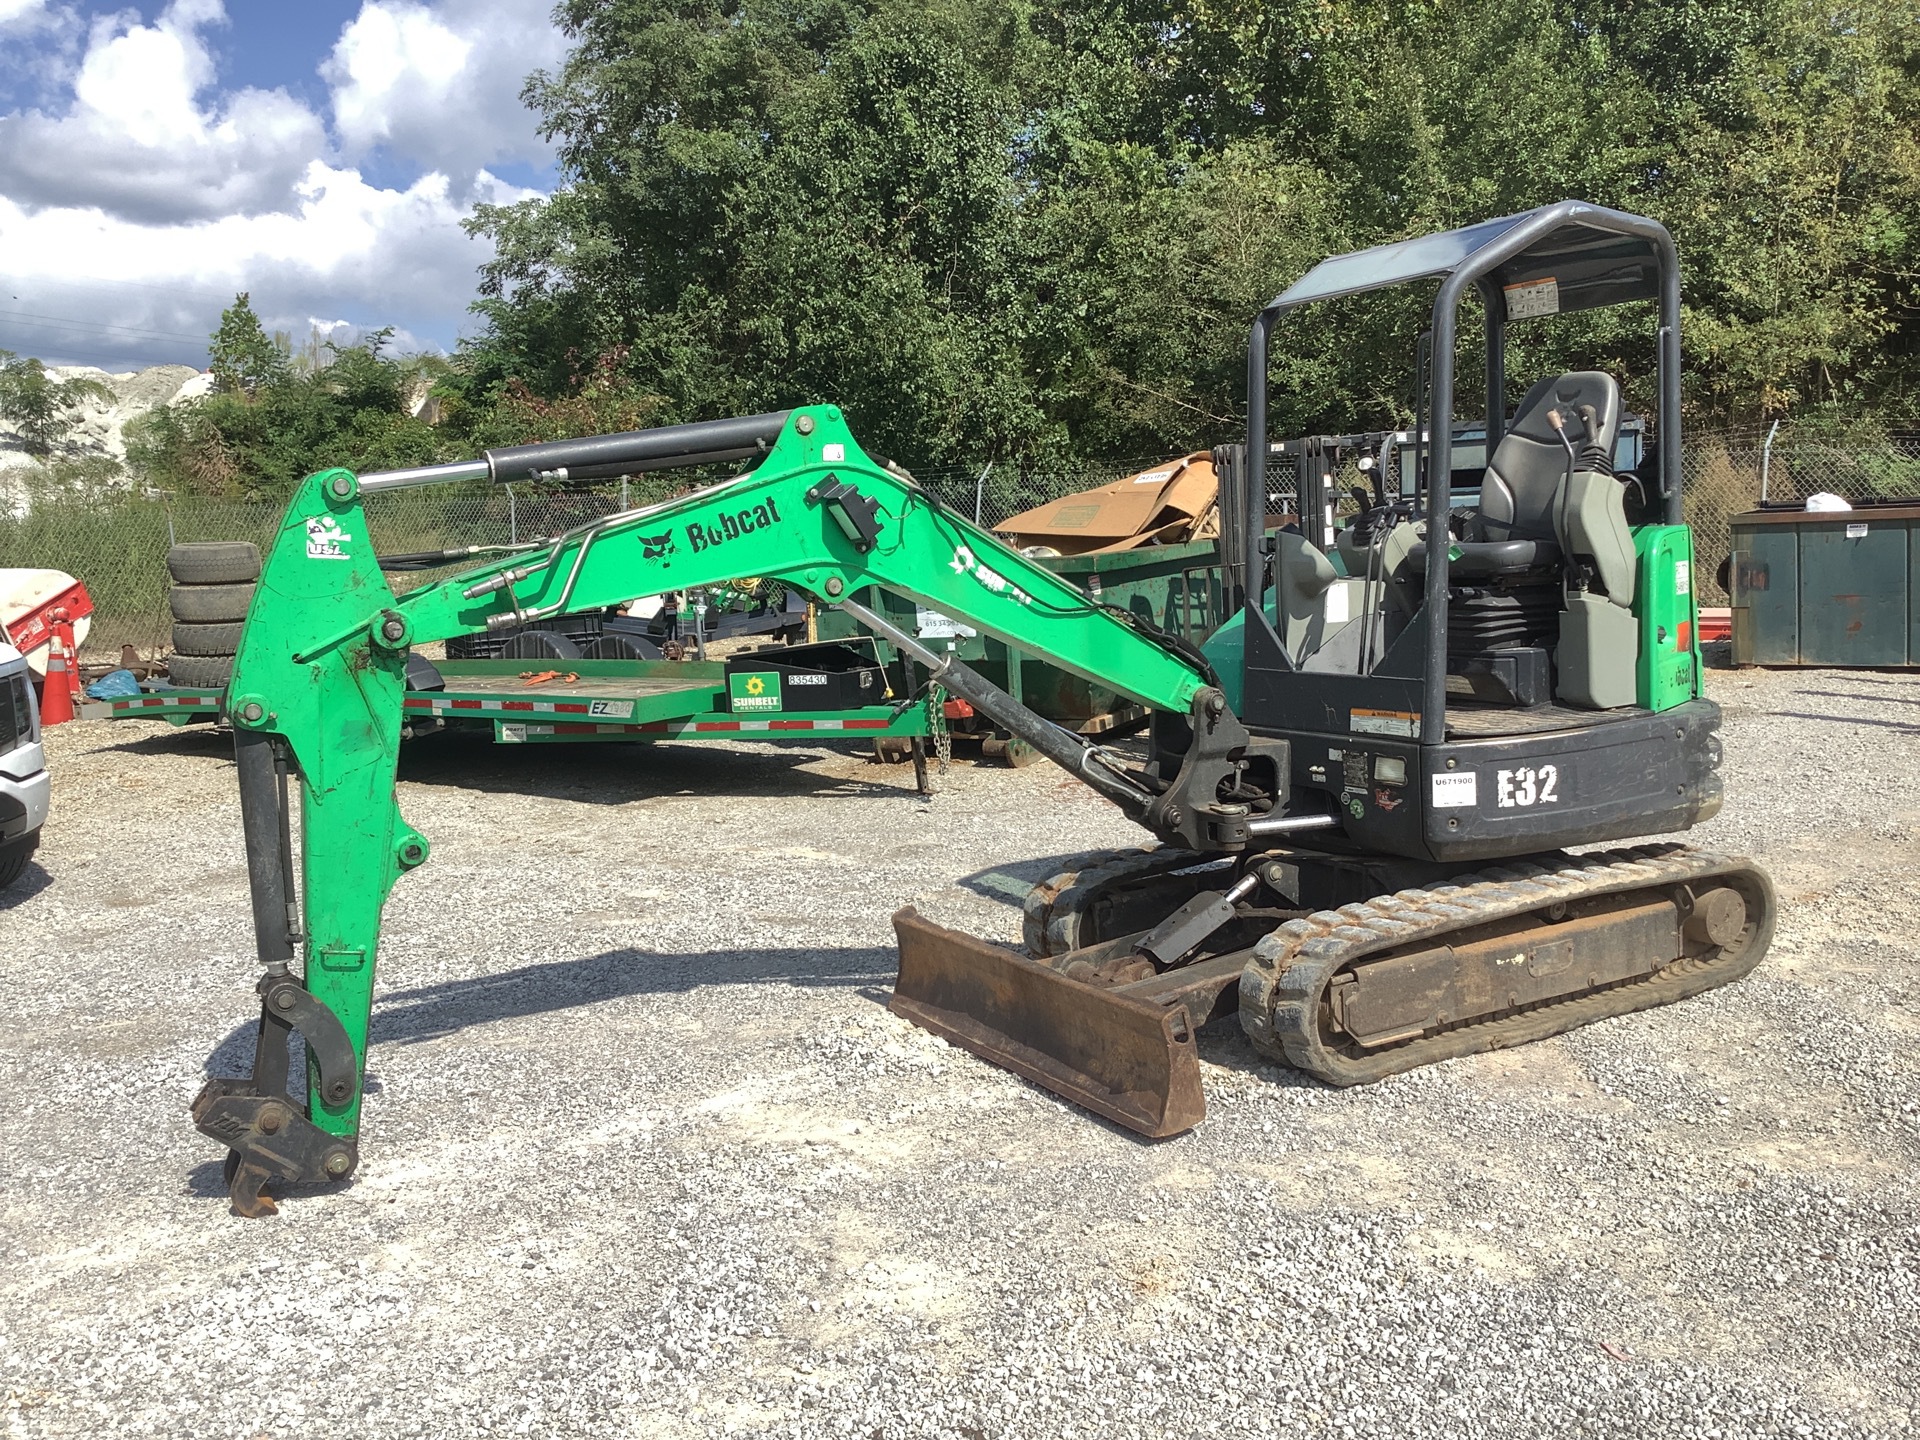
[{"x": 1516, "y": 498}]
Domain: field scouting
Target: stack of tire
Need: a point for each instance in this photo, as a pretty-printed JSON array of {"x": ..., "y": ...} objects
[{"x": 212, "y": 587}]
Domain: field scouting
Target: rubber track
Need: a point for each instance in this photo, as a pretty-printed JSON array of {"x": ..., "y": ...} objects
[
  {"x": 1055, "y": 909},
  {"x": 1282, "y": 987}
]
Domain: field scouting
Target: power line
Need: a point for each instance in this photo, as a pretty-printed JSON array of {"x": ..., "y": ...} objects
[
  {"x": 223, "y": 295},
  {"x": 37, "y": 321},
  {"x": 111, "y": 362}
]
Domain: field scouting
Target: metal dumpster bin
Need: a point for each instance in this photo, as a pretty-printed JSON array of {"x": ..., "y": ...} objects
[{"x": 1833, "y": 588}]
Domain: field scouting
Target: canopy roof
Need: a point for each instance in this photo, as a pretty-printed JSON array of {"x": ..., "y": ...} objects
[{"x": 1594, "y": 255}]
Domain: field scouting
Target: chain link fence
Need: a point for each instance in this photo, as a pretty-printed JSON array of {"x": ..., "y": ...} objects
[
  {"x": 1727, "y": 475},
  {"x": 117, "y": 540}
]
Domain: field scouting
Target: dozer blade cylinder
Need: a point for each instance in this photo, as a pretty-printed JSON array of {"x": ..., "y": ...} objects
[{"x": 1125, "y": 1058}]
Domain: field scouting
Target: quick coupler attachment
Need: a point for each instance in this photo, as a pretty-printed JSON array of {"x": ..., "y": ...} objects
[{"x": 267, "y": 1134}]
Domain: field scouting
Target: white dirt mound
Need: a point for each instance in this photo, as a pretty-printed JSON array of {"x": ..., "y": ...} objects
[{"x": 101, "y": 427}]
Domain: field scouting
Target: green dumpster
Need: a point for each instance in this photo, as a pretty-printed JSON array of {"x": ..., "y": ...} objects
[{"x": 1827, "y": 587}]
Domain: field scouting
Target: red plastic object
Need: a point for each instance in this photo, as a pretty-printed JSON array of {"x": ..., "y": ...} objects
[{"x": 30, "y": 631}]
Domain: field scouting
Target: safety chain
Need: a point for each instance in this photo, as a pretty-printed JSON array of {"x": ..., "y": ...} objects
[{"x": 937, "y": 724}]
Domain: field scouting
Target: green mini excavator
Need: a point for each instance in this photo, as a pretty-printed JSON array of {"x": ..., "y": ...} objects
[{"x": 1364, "y": 787}]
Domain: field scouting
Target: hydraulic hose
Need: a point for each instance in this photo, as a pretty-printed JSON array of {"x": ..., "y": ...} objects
[{"x": 1069, "y": 752}]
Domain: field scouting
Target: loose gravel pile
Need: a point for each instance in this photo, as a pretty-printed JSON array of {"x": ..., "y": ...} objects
[{"x": 646, "y": 1154}]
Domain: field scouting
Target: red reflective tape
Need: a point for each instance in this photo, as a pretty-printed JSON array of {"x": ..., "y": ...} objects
[
  {"x": 718, "y": 725},
  {"x": 561, "y": 707},
  {"x": 1685, "y": 634},
  {"x": 467, "y": 704},
  {"x": 790, "y": 725},
  {"x": 576, "y": 729},
  {"x": 868, "y": 724},
  {"x": 652, "y": 727},
  {"x": 412, "y": 704},
  {"x": 516, "y": 705}
]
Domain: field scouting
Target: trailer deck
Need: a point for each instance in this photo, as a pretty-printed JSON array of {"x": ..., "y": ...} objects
[{"x": 590, "y": 700}]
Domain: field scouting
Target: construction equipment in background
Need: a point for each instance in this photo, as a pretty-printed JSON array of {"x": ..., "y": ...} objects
[
  {"x": 625, "y": 701},
  {"x": 1145, "y": 543},
  {"x": 1175, "y": 588},
  {"x": 616, "y": 686},
  {"x": 45, "y": 614},
  {"x": 1362, "y": 784}
]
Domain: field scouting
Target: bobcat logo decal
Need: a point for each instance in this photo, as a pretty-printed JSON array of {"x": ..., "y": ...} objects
[{"x": 655, "y": 547}]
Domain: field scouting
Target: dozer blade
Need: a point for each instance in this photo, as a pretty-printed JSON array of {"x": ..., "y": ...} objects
[{"x": 1128, "y": 1059}]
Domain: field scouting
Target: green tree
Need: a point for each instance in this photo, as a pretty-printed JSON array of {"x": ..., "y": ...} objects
[
  {"x": 352, "y": 411},
  {"x": 243, "y": 358},
  {"x": 993, "y": 229},
  {"x": 39, "y": 407}
]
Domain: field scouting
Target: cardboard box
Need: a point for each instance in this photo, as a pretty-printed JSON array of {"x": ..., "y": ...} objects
[{"x": 1167, "y": 505}]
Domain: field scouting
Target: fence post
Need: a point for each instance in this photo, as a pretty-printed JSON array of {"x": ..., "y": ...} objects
[
  {"x": 513, "y": 519},
  {"x": 980, "y": 491},
  {"x": 1766, "y": 461}
]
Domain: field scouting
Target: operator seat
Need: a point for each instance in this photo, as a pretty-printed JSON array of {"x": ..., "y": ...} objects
[
  {"x": 1538, "y": 553},
  {"x": 1523, "y": 479}
]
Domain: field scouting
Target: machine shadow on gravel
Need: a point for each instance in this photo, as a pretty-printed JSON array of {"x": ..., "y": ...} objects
[
  {"x": 196, "y": 740},
  {"x": 431, "y": 1012},
  {"x": 1900, "y": 726},
  {"x": 616, "y": 775}
]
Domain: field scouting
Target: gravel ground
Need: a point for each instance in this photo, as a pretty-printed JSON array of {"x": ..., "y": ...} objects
[{"x": 648, "y": 1156}]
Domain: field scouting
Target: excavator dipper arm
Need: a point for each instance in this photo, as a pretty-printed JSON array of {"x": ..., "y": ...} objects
[{"x": 318, "y": 685}]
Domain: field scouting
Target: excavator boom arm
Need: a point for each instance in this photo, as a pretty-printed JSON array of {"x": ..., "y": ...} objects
[{"x": 318, "y": 685}]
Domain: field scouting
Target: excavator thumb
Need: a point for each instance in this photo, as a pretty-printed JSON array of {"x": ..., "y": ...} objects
[{"x": 1119, "y": 1055}]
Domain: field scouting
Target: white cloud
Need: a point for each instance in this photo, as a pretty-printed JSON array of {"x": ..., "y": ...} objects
[
  {"x": 143, "y": 195},
  {"x": 123, "y": 287},
  {"x": 440, "y": 85},
  {"x": 22, "y": 12},
  {"x": 136, "y": 141}
]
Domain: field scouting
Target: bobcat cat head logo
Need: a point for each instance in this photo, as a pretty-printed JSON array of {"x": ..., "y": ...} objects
[{"x": 653, "y": 547}]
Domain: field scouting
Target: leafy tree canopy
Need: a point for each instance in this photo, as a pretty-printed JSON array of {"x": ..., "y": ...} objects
[
  {"x": 39, "y": 407},
  {"x": 269, "y": 423},
  {"x": 243, "y": 359},
  {"x": 995, "y": 229}
]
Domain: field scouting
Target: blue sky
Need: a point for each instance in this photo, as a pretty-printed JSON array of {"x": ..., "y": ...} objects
[{"x": 156, "y": 158}]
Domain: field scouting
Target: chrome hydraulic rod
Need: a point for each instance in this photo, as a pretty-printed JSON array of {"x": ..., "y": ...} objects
[
  {"x": 1289, "y": 824},
  {"x": 599, "y": 457}
]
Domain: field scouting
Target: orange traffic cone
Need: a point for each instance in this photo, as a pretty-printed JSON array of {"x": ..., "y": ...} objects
[{"x": 56, "y": 696}]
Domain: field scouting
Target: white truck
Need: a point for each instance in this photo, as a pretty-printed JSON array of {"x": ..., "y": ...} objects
[{"x": 24, "y": 784}]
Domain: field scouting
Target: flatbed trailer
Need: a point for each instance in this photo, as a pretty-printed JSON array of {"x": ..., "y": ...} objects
[{"x": 632, "y": 700}]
